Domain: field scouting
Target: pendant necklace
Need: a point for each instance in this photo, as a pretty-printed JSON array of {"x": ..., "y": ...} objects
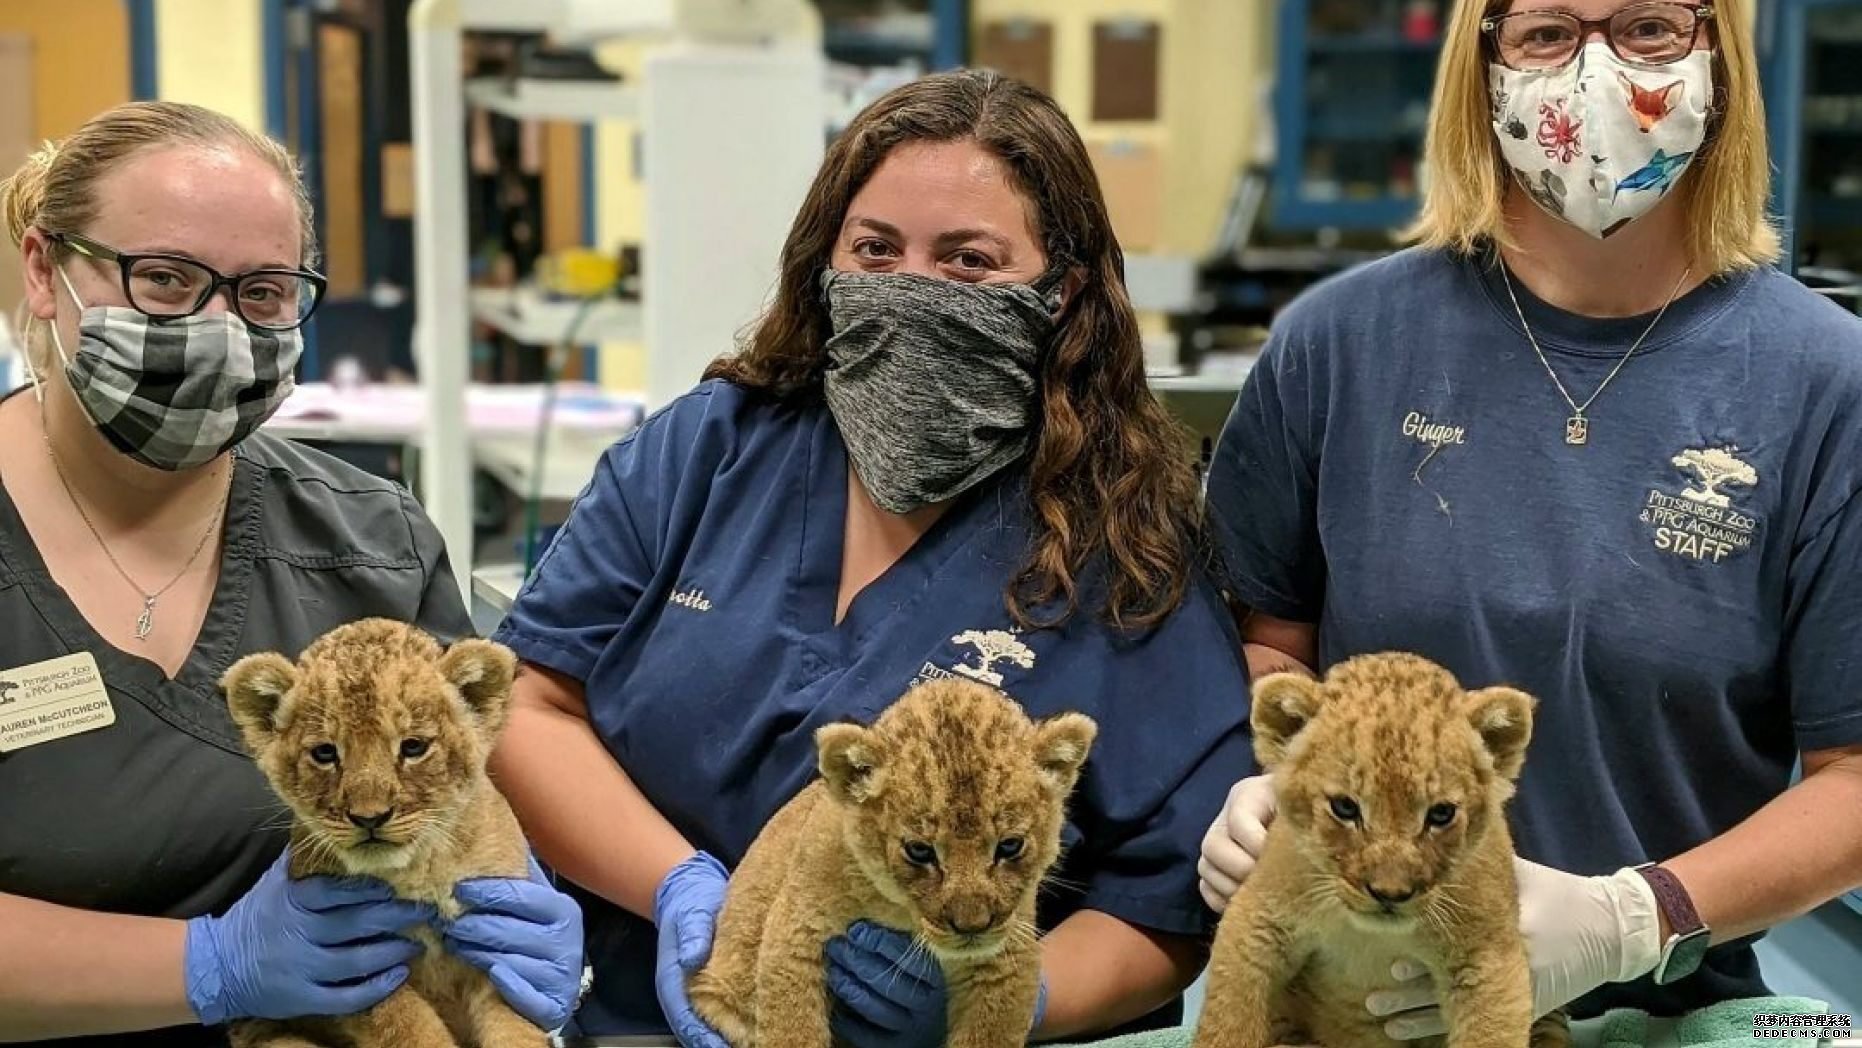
[
  {"x": 1577, "y": 427},
  {"x": 145, "y": 622}
]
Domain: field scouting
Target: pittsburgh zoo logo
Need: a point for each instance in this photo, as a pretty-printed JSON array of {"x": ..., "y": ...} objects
[
  {"x": 992, "y": 646},
  {"x": 1713, "y": 469},
  {"x": 1700, "y": 522},
  {"x": 7, "y": 688}
]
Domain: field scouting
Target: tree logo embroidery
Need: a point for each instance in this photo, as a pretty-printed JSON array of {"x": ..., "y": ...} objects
[
  {"x": 993, "y": 646},
  {"x": 1713, "y": 469},
  {"x": 1699, "y": 523},
  {"x": 7, "y": 688}
]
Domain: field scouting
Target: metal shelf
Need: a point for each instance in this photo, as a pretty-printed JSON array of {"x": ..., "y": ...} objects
[{"x": 555, "y": 99}]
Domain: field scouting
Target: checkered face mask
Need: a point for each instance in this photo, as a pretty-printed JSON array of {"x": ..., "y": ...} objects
[{"x": 174, "y": 394}]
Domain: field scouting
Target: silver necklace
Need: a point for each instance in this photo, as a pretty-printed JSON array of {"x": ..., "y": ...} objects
[
  {"x": 1577, "y": 427},
  {"x": 145, "y": 622}
]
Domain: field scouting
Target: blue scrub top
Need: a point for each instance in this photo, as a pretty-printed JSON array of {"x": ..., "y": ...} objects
[
  {"x": 693, "y": 592},
  {"x": 1683, "y": 594}
]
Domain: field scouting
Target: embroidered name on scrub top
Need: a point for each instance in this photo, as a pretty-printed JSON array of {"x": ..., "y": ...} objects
[
  {"x": 52, "y": 700},
  {"x": 1423, "y": 429}
]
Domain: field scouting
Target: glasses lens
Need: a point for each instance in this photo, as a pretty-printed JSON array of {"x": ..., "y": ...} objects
[
  {"x": 277, "y": 299},
  {"x": 1538, "y": 39},
  {"x": 1654, "y": 33},
  {"x": 167, "y": 287}
]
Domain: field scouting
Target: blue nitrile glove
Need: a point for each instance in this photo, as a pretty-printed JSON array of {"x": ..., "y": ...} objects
[
  {"x": 889, "y": 992},
  {"x": 319, "y": 946},
  {"x": 527, "y": 936},
  {"x": 1040, "y": 1006},
  {"x": 686, "y": 910}
]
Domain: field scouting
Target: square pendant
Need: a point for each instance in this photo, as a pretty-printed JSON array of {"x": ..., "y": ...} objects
[{"x": 1577, "y": 431}]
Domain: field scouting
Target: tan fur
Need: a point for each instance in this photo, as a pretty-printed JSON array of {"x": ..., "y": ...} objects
[
  {"x": 1304, "y": 942},
  {"x": 953, "y": 764},
  {"x": 365, "y": 688}
]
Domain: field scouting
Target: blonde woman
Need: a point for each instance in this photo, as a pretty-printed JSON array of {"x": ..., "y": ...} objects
[
  {"x": 1585, "y": 440},
  {"x": 149, "y": 536}
]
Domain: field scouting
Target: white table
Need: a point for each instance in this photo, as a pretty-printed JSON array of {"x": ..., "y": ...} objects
[
  {"x": 501, "y": 419},
  {"x": 497, "y": 585}
]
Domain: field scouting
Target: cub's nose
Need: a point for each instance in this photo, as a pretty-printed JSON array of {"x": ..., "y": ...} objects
[
  {"x": 969, "y": 920},
  {"x": 371, "y": 822},
  {"x": 1387, "y": 896}
]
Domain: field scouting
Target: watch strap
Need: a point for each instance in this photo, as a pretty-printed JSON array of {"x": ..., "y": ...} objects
[{"x": 1671, "y": 895}]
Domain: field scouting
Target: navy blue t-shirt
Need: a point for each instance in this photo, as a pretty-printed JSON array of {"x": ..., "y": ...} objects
[
  {"x": 1683, "y": 594},
  {"x": 693, "y": 591}
]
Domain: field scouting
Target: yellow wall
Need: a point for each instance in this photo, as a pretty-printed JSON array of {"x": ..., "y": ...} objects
[
  {"x": 80, "y": 58},
  {"x": 620, "y": 210},
  {"x": 1072, "y": 22},
  {"x": 1217, "y": 71},
  {"x": 1214, "y": 61},
  {"x": 211, "y": 53}
]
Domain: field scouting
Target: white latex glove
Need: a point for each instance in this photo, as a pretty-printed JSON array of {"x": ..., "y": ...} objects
[
  {"x": 1235, "y": 839},
  {"x": 1581, "y": 932}
]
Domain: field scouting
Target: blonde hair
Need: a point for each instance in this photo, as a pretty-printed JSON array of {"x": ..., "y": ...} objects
[
  {"x": 56, "y": 188},
  {"x": 1725, "y": 191}
]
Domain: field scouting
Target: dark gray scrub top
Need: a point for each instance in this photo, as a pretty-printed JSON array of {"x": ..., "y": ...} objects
[{"x": 163, "y": 813}]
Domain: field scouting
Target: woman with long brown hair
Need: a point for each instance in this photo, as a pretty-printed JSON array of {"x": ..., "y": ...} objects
[
  {"x": 935, "y": 455},
  {"x": 1585, "y": 439}
]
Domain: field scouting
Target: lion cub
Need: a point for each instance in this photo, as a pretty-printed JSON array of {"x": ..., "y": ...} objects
[
  {"x": 1390, "y": 842},
  {"x": 940, "y": 820},
  {"x": 376, "y": 740}
]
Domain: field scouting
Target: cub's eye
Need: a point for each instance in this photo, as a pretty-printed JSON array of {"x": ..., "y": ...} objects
[
  {"x": 324, "y": 754},
  {"x": 1441, "y": 815},
  {"x": 918, "y": 853},
  {"x": 414, "y": 749},
  {"x": 1008, "y": 849},
  {"x": 1344, "y": 809}
]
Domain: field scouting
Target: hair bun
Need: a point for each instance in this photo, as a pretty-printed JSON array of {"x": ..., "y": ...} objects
[{"x": 23, "y": 192}]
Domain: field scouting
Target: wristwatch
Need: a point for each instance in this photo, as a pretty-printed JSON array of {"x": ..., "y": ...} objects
[{"x": 1689, "y": 936}]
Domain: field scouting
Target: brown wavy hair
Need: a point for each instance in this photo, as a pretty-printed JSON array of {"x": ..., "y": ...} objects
[{"x": 1110, "y": 482}]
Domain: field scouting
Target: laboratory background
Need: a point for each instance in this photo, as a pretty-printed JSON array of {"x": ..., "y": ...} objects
[{"x": 541, "y": 219}]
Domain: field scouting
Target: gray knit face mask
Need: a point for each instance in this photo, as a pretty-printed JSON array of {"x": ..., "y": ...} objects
[{"x": 934, "y": 383}]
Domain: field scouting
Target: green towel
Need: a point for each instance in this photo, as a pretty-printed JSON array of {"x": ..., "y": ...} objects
[
  {"x": 1728, "y": 1024},
  {"x": 1176, "y": 1037},
  {"x": 1724, "y": 1025}
]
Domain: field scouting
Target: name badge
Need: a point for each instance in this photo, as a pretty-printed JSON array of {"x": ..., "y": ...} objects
[{"x": 52, "y": 700}]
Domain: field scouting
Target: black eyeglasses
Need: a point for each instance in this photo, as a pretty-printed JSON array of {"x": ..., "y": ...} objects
[
  {"x": 1653, "y": 34},
  {"x": 169, "y": 287}
]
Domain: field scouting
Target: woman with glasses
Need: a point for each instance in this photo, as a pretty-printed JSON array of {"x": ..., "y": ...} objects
[
  {"x": 149, "y": 537},
  {"x": 1584, "y": 439}
]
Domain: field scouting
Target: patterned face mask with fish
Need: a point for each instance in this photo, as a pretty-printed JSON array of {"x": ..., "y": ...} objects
[{"x": 1599, "y": 142}]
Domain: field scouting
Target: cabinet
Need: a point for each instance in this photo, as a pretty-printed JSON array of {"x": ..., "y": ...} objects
[
  {"x": 1811, "y": 52},
  {"x": 1351, "y": 107}
]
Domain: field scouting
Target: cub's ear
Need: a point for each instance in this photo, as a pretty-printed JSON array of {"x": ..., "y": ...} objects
[
  {"x": 1061, "y": 744},
  {"x": 482, "y": 671},
  {"x": 850, "y": 761},
  {"x": 1284, "y": 703},
  {"x": 1503, "y": 717},
  {"x": 255, "y": 689}
]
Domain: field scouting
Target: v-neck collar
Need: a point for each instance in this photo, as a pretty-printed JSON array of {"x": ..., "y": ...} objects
[
  {"x": 191, "y": 699},
  {"x": 897, "y": 589}
]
